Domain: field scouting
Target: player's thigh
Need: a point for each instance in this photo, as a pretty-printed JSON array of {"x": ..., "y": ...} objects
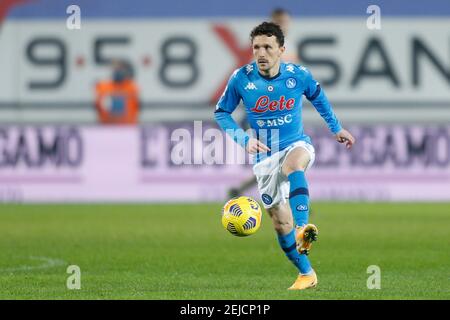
[
  {"x": 281, "y": 217},
  {"x": 297, "y": 159}
]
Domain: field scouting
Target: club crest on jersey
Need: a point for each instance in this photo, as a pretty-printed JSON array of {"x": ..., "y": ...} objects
[
  {"x": 266, "y": 198},
  {"x": 291, "y": 83},
  {"x": 270, "y": 88}
]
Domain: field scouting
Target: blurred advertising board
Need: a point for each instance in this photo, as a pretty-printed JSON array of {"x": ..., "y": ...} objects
[
  {"x": 188, "y": 61},
  {"x": 183, "y": 163}
]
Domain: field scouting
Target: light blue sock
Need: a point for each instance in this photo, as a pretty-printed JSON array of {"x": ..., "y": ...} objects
[
  {"x": 287, "y": 243},
  {"x": 299, "y": 197}
]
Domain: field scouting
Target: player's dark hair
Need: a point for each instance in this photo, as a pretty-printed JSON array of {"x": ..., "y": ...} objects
[{"x": 268, "y": 29}]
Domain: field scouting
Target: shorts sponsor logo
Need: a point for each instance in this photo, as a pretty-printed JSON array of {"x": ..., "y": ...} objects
[{"x": 266, "y": 198}]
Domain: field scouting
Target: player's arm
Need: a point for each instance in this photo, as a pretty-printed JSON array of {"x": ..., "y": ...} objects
[
  {"x": 315, "y": 94},
  {"x": 227, "y": 104}
]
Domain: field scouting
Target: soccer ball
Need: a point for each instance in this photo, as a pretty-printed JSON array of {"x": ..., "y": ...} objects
[{"x": 241, "y": 216}]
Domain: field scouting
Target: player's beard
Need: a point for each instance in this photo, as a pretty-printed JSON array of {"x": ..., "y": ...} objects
[{"x": 265, "y": 67}]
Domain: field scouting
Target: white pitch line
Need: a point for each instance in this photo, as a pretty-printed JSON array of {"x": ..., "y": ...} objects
[{"x": 46, "y": 263}]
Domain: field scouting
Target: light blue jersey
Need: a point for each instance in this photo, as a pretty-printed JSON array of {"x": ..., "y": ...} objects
[{"x": 273, "y": 103}]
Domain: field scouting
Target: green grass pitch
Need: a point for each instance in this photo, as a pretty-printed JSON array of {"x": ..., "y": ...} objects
[{"x": 183, "y": 252}]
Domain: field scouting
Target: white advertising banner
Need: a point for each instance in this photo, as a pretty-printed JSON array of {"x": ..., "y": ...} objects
[
  {"x": 150, "y": 164},
  {"x": 188, "y": 60}
]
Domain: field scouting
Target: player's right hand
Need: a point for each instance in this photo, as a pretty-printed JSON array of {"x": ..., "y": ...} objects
[{"x": 255, "y": 146}]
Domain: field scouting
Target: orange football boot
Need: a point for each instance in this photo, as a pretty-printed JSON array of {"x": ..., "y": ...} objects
[
  {"x": 305, "y": 281},
  {"x": 305, "y": 236}
]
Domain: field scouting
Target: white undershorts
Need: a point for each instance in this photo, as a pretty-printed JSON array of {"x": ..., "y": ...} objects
[{"x": 273, "y": 185}]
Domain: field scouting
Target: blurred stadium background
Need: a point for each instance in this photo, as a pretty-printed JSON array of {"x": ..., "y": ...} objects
[{"x": 391, "y": 87}]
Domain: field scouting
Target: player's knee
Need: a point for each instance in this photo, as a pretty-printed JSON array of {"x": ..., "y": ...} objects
[
  {"x": 295, "y": 167},
  {"x": 298, "y": 161}
]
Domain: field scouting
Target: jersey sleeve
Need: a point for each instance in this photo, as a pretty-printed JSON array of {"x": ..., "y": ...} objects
[
  {"x": 315, "y": 94},
  {"x": 227, "y": 104},
  {"x": 230, "y": 98}
]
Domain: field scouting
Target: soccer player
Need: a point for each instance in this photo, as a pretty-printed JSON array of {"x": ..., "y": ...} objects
[
  {"x": 272, "y": 91},
  {"x": 282, "y": 18}
]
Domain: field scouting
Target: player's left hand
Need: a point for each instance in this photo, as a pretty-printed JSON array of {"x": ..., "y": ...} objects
[{"x": 344, "y": 136}]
